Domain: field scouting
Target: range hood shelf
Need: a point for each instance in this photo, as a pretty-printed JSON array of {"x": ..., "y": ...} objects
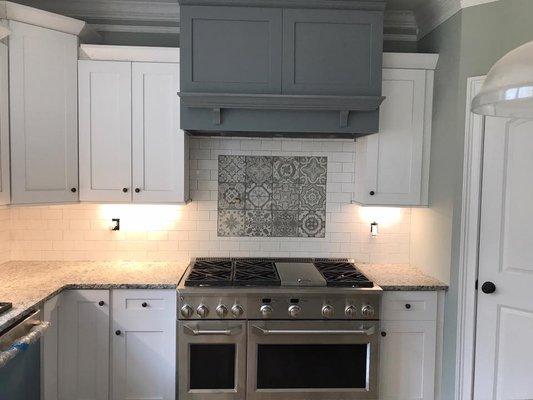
[{"x": 343, "y": 104}]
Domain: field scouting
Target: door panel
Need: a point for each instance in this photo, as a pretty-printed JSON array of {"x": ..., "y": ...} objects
[
  {"x": 84, "y": 345},
  {"x": 43, "y": 112},
  {"x": 105, "y": 130},
  {"x": 158, "y": 143},
  {"x": 505, "y": 318}
]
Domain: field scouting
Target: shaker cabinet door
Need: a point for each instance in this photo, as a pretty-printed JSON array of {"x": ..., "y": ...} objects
[
  {"x": 4, "y": 126},
  {"x": 43, "y": 112},
  {"x": 105, "y": 130},
  {"x": 158, "y": 144}
]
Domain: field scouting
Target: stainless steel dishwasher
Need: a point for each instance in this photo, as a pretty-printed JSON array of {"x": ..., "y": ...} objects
[{"x": 20, "y": 359}]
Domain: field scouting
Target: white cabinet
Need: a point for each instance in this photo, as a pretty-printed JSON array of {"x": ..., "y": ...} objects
[
  {"x": 4, "y": 126},
  {"x": 43, "y": 114},
  {"x": 144, "y": 344},
  {"x": 105, "y": 130},
  {"x": 393, "y": 165},
  {"x": 408, "y": 346},
  {"x": 131, "y": 147},
  {"x": 83, "y": 350}
]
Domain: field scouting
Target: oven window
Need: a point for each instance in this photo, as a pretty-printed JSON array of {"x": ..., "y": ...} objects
[
  {"x": 212, "y": 366},
  {"x": 311, "y": 366}
]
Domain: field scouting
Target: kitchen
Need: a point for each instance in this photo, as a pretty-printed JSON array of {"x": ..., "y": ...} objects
[{"x": 277, "y": 208}]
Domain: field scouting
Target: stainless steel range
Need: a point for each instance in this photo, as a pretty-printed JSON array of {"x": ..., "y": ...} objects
[{"x": 269, "y": 329}]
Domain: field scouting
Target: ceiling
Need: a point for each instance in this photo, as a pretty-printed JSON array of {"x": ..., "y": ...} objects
[{"x": 405, "y": 20}]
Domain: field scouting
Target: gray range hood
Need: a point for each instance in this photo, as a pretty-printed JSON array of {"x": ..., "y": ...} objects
[{"x": 303, "y": 68}]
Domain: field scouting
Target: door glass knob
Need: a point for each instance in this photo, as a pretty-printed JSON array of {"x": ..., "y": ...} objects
[{"x": 488, "y": 287}]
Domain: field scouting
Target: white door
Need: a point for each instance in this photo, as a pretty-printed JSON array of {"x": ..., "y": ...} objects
[
  {"x": 394, "y": 156},
  {"x": 84, "y": 345},
  {"x": 4, "y": 126},
  {"x": 158, "y": 142},
  {"x": 105, "y": 130},
  {"x": 407, "y": 360},
  {"x": 43, "y": 112},
  {"x": 144, "y": 344},
  {"x": 504, "y": 338}
]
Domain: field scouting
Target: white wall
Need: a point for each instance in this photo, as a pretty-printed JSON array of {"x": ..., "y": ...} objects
[{"x": 152, "y": 232}]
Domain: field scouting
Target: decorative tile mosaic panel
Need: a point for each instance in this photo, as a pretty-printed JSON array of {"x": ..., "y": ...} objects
[{"x": 265, "y": 196}]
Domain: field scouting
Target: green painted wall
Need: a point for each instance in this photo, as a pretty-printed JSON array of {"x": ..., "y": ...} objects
[{"x": 469, "y": 43}]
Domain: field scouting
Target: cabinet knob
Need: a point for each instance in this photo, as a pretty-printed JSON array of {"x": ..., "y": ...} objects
[
  {"x": 73, "y": 190},
  {"x": 408, "y": 306},
  {"x": 125, "y": 190},
  {"x": 137, "y": 190},
  {"x": 118, "y": 332},
  {"x": 101, "y": 303},
  {"x": 372, "y": 193},
  {"x": 383, "y": 334},
  {"x": 144, "y": 304}
]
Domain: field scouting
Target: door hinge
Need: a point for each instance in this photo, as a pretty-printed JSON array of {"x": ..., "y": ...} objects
[{"x": 476, "y": 284}]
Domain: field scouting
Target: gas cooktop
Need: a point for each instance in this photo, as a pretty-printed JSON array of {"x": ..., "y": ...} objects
[{"x": 285, "y": 272}]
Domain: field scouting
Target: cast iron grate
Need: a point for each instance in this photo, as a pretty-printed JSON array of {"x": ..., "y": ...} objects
[
  {"x": 255, "y": 273},
  {"x": 342, "y": 274}
]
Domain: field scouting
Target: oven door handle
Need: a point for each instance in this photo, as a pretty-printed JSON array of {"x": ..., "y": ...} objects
[
  {"x": 221, "y": 332},
  {"x": 369, "y": 331}
]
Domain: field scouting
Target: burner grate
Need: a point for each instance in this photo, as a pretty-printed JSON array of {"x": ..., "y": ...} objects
[
  {"x": 210, "y": 273},
  {"x": 342, "y": 274},
  {"x": 255, "y": 273}
]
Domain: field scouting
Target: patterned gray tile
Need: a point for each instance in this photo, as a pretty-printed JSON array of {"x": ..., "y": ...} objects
[
  {"x": 312, "y": 197},
  {"x": 285, "y": 223},
  {"x": 231, "y": 168},
  {"x": 258, "y": 223},
  {"x": 259, "y": 169},
  {"x": 258, "y": 196},
  {"x": 313, "y": 169},
  {"x": 312, "y": 224},
  {"x": 231, "y": 196},
  {"x": 230, "y": 223},
  {"x": 286, "y": 169},
  {"x": 286, "y": 196}
]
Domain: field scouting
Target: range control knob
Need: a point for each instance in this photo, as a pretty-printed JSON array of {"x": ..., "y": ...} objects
[
  {"x": 222, "y": 311},
  {"x": 202, "y": 311},
  {"x": 266, "y": 310},
  {"x": 237, "y": 311},
  {"x": 328, "y": 311},
  {"x": 186, "y": 311},
  {"x": 350, "y": 311},
  {"x": 294, "y": 311},
  {"x": 367, "y": 311}
]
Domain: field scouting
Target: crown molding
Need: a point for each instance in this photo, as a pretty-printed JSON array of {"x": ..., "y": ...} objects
[
  {"x": 400, "y": 25},
  {"x": 154, "y": 29}
]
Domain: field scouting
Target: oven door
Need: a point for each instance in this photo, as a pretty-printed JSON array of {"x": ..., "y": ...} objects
[
  {"x": 212, "y": 360},
  {"x": 312, "y": 360}
]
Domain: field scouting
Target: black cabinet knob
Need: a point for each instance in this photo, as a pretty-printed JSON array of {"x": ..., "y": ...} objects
[
  {"x": 137, "y": 190},
  {"x": 372, "y": 193},
  {"x": 383, "y": 334},
  {"x": 101, "y": 303},
  {"x": 488, "y": 287},
  {"x": 73, "y": 190},
  {"x": 118, "y": 332},
  {"x": 408, "y": 306},
  {"x": 125, "y": 190},
  {"x": 144, "y": 304}
]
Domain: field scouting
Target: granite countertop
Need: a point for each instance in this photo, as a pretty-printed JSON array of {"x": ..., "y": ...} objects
[
  {"x": 400, "y": 277},
  {"x": 27, "y": 284}
]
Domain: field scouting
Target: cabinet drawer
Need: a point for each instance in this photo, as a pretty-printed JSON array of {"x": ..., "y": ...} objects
[
  {"x": 409, "y": 306},
  {"x": 143, "y": 306}
]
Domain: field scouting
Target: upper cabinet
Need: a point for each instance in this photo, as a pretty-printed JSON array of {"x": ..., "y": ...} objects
[
  {"x": 4, "y": 126},
  {"x": 299, "y": 68},
  {"x": 393, "y": 165},
  {"x": 131, "y": 147},
  {"x": 43, "y": 114}
]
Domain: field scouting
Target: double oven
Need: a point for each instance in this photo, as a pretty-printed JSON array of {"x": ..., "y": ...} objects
[{"x": 274, "y": 359}]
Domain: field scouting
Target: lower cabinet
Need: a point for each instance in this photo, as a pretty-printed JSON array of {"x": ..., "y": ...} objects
[
  {"x": 118, "y": 344},
  {"x": 408, "y": 346}
]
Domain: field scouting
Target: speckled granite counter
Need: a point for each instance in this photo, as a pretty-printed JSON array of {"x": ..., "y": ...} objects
[
  {"x": 400, "y": 277},
  {"x": 26, "y": 284}
]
